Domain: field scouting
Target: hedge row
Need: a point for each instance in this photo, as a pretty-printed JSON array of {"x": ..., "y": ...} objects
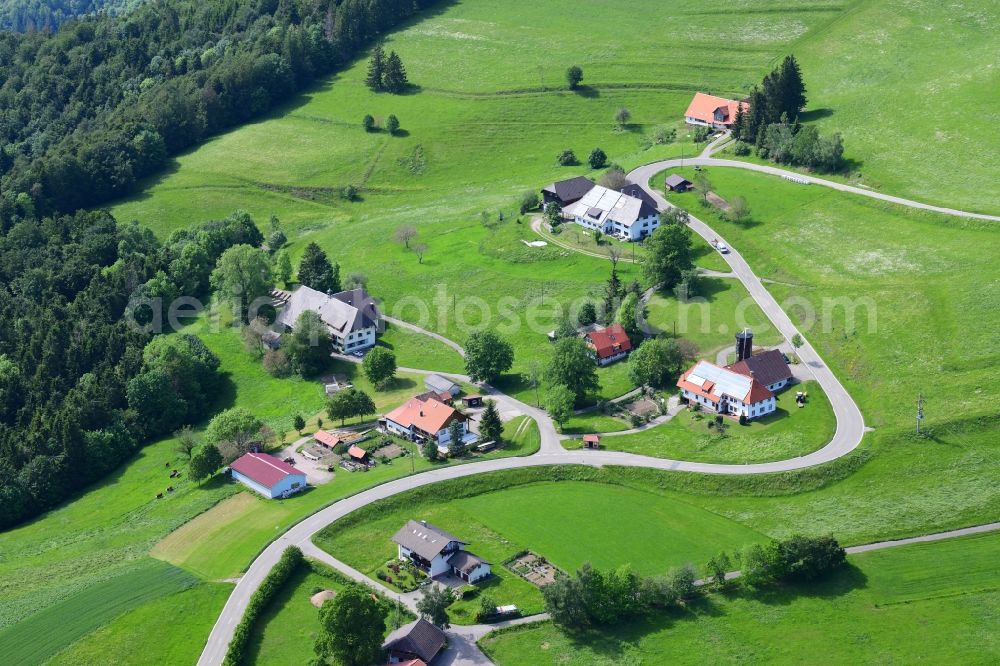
[{"x": 290, "y": 560}]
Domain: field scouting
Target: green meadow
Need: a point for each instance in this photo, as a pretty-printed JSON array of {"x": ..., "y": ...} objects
[
  {"x": 944, "y": 596},
  {"x": 788, "y": 433},
  {"x": 907, "y": 84},
  {"x": 568, "y": 523}
]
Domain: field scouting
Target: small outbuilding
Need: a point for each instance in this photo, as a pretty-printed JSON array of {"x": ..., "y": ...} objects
[
  {"x": 438, "y": 384},
  {"x": 677, "y": 183},
  {"x": 268, "y": 475},
  {"x": 416, "y": 640},
  {"x": 591, "y": 442},
  {"x": 326, "y": 439},
  {"x": 472, "y": 400}
]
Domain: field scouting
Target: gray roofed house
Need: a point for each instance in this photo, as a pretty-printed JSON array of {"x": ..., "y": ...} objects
[
  {"x": 439, "y": 384},
  {"x": 416, "y": 640},
  {"x": 615, "y": 213},
  {"x": 350, "y": 316},
  {"x": 465, "y": 562},
  {"x": 676, "y": 183},
  {"x": 566, "y": 192},
  {"x": 424, "y": 539},
  {"x": 438, "y": 553}
]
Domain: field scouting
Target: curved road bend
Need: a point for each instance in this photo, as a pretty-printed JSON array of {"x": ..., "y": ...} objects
[
  {"x": 850, "y": 429},
  {"x": 642, "y": 175}
]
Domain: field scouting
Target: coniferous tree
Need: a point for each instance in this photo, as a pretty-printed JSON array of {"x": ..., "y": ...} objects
[
  {"x": 490, "y": 426},
  {"x": 317, "y": 272},
  {"x": 394, "y": 79},
  {"x": 791, "y": 88},
  {"x": 376, "y": 69}
]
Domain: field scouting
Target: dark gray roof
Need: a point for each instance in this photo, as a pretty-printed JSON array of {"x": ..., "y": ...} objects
[
  {"x": 424, "y": 539},
  {"x": 571, "y": 189},
  {"x": 648, "y": 203},
  {"x": 337, "y": 311},
  {"x": 420, "y": 639},
  {"x": 673, "y": 180},
  {"x": 465, "y": 561},
  {"x": 767, "y": 367}
]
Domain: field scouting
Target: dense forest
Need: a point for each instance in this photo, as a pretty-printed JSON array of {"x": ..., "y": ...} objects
[
  {"x": 87, "y": 111},
  {"x": 47, "y": 15},
  {"x": 82, "y": 385}
]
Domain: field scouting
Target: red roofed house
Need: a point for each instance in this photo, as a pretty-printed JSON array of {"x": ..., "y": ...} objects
[
  {"x": 712, "y": 111},
  {"x": 591, "y": 442},
  {"x": 268, "y": 475},
  {"x": 326, "y": 439},
  {"x": 726, "y": 392},
  {"x": 608, "y": 344},
  {"x": 426, "y": 419},
  {"x": 357, "y": 453}
]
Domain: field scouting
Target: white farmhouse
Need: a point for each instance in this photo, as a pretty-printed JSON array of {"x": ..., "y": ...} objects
[
  {"x": 726, "y": 392},
  {"x": 438, "y": 553},
  {"x": 351, "y": 317},
  {"x": 624, "y": 216}
]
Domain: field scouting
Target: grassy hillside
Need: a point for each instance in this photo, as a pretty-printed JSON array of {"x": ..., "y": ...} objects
[
  {"x": 487, "y": 121},
  {"x": 946, "y": 593},
  {"x": 906, "y": 82},
  {"x": 567, "y": 523}
]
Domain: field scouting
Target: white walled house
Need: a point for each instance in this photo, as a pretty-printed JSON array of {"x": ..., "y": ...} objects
[
  {"x": 267, "y": 475},
  {"x": 723, "y": 391},
  {"x": 428, "y": 420},
  {"x": 617, "y": 214},
  {"x": 438, "y": 553},
  {"x": 351, "y": 317}
]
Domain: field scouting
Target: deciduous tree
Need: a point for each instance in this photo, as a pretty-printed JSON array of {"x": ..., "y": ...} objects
[
  {"x": 571, "y": 365},
  {"x": 433, "y": 604},
  {"x": 668, "y": 255},
  {"x": 205, "y": 462},
  {"x": 379, "y": 365},
  {"x": 559, "y": 401},
  {"x": 352, "y": 625},
  {"x": 242, "y": 275},
  {"x": 574, "y": 75},
  {"x": 487, "y": 356}
]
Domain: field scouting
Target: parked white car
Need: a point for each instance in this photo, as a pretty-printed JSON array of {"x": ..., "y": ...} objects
[{"x": 722, "y": 248}]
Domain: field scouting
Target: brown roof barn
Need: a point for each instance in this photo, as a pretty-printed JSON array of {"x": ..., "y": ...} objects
[{"x": 416, "y": 640}]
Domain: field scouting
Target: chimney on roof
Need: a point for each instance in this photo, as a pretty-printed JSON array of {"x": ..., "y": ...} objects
[
  {"x": 421, "y": 412},
  {"x": 744, "y": 344}
]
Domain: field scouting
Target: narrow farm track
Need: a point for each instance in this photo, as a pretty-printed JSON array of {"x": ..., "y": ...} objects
[{"x": 848, "y": 434}]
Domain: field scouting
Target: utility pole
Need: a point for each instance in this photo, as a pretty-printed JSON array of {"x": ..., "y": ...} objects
[{"x": 920, "y": 410}]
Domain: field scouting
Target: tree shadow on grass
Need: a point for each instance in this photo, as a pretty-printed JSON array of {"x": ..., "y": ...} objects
[
  {"x": 847, "y": 579},
  {"x": 815, "y": 114},
  {"x": 614, "y": 643},
  {"x": 588, "y": 92}
]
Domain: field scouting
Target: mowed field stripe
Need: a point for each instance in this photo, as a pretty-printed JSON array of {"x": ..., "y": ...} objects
[{"x": 47, "y": 632}]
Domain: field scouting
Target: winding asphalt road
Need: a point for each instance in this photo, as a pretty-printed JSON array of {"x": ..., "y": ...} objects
[{"x": 849, "y": 432}]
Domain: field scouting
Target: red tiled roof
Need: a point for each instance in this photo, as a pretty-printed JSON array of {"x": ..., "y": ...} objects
[
  {"x": 703, "y": 108},
  {"x": 430, "y": 415},
  {"x": 356, "y": 452},
  {"x": 593, "y": 439},
  {"x": 609, "y": 341},
  {"x": 264, "y": 469},
  {"x": 758, "y": 393},
  {"x": 323, "y": 437}
]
